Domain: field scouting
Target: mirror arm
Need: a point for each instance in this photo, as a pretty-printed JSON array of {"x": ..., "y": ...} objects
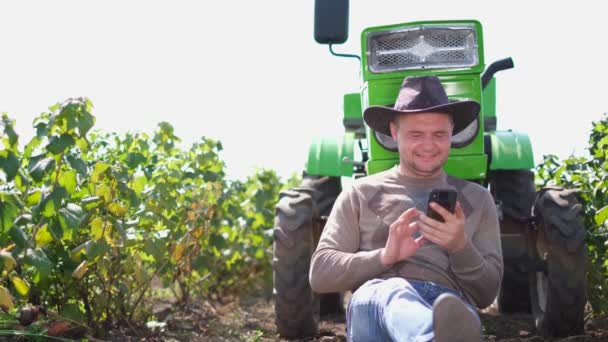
[{"x": 342, "y": 54}]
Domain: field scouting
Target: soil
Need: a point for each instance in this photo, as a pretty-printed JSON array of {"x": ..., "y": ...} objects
[{"x": 252, "y": 319}]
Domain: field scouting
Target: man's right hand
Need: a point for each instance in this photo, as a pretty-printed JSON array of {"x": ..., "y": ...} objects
[{"x": 400, "y": 244}]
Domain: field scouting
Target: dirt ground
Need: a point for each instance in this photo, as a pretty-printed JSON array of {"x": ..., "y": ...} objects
[{"x": 253, "y": 320}]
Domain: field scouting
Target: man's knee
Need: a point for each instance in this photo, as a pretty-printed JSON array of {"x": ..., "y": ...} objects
[
  {"x": 378, "y": 290},
  {"x": 363, "y": 318}
]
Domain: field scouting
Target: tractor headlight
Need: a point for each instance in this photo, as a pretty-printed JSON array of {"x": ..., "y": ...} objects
[
  {"x": 467, "y": 135},
  {"x": 386, "y": 141},
  {"x": 423, "y": 47}
]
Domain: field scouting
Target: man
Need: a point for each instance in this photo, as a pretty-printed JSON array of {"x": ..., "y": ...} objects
[{"x": 416, "y": 278}]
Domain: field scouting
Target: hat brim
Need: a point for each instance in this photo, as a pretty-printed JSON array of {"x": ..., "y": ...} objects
[{"x": 463, "y": 114}]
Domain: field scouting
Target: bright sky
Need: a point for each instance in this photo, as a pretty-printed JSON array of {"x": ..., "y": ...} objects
[{"x": 250, "y": 74}]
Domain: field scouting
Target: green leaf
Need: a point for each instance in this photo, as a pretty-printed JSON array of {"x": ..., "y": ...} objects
[
  {"x": 39, "y": 167},
  {"x": 601, "y": 216},
  {"x": 155, "y": 247},
  {"x": 67, "y": 179},
  {"x": 8, "y": 214},
  {"x": 77, "y": 253},
  {"x": 23, "y": 220},
  {"x": 603, "y": 142},
  {"x": 29, "y": 148},
  {"x": 51, "y": 202},
  {"x": 21, "y": 286},
  {"x": 78, "y": 165},
  {"x": 134, "y": 159},
  {"x": 10, "y": 165},
  {"x": 119, "y": 228},
  {"x": 100, "y": 228},
  {"x": 70, "y": 218},
  {"x": 21, "y": 181},
  {"x": 139, "y": 183},
  {"x": 96, "y": 228},
  {"x": 117, "y": 209},
  {"x": 58, "y": 145},
  {"x": 69, "y": 115},
  {"x": 83, "y": 145},
  {"x": 104, "y": 192},
  {"x": 217, "y": 240},
  {"x": 98, "y": 169},
  {"x": 43, "y": 237},
  {"x": 9, "y": 131},
  {"x": 38, "y": 259},
  {"x": 18, "y": 236},
  {"x": 33, "y": 198},
  {"x": 56, "y": 230},
  {"x": 72, "y": 312},
  {"x": 48, "y": 206},
  {"x": 91, "y": 202},
  {"x": 85, "y": 123},
  {"x": 41, "y": 129},
  {"x": 97, "y": 249}
]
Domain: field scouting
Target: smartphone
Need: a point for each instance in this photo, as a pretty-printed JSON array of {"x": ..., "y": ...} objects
[{"x": 445, "y": 198}]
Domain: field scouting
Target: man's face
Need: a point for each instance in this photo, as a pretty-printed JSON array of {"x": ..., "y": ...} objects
[{"x": 424, "y": 142}]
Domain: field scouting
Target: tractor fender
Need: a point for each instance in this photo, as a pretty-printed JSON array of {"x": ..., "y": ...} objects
[
  {"x": 509, "y": 150},
  {"x": 330, "y": 156}
]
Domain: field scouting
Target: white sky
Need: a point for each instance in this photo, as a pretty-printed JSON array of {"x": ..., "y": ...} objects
[{"x": 250, "y": 74}]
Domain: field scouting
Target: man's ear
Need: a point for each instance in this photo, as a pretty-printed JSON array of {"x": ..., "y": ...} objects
[{"x": 393, "y": 128}]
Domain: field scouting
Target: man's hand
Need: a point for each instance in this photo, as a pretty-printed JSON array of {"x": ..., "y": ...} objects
[
  {"x": 400, "y": 244},
  {"x": 449, "y": 234}
]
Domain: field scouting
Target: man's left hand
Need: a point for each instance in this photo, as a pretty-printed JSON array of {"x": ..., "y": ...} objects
[{"x": 449, "y": 234}]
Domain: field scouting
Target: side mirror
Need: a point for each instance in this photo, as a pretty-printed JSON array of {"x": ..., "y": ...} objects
[{"x": 331, "y": 21}]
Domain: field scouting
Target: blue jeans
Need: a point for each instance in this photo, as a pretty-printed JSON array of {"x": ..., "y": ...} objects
[{"x": 394, "y": 309}]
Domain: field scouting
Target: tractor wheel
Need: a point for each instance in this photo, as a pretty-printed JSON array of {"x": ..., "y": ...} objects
[
  {"x": 514, "y": 189},
  {"x": 559, "y": 293},
  {"x": 298, "y": 226}
]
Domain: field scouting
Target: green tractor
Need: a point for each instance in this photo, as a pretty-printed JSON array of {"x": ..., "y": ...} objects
[{"x": 542, "y": 231}]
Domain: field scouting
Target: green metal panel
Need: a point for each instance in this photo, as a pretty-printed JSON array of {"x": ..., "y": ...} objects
[
  {"x": 511, "y": 151},
  {"x": 352, "y": 106},
  {"x": 458, "y": 87},
  {"x": 471, "y": 167},
  {"x": 489, "y": 100},
  {"x": 353, "y": 116},
  {"x": 326, "y": 156},
  {"x": 368, "y": 75}
]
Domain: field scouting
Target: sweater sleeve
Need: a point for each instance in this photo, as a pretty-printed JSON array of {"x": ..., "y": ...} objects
[
  {"x": 478, "y": 267},
  {"x": 337, "y": 264}
]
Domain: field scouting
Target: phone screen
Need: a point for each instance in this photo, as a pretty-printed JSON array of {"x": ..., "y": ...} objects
[{"x": 445, "y": 198}]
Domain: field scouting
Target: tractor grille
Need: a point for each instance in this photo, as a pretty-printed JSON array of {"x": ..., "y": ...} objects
[{"x": 422, "y": 47}]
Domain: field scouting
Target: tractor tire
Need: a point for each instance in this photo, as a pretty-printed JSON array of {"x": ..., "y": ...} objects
[
  {"x": 297, "y": 230},
  {"x": 327, "y": 190},
  {"x": 559, "y": 293},
  {"x": 514, "y": 189}
]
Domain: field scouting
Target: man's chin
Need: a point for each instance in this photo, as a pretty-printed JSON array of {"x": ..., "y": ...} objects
[{"x": 427, "y": 171}]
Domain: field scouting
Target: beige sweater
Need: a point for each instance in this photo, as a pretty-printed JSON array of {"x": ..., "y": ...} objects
[{"x": 348, "y": 253}]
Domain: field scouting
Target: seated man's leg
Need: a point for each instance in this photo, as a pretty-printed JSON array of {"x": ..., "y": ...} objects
[
  {"x": 391, "y": 309},
  {"x": 455, "y": 321}
]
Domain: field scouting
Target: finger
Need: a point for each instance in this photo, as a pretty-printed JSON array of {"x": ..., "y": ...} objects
[
  {"x": 458, "y": 211},
  {"x": 441, "y": 211},
  {"x": 431, "y": 238},
  {"x": 431, "y": 222},
  {"x": 431, "y": 233},
  {"x": 409, "y": 214},
  {"x": 395, "y": 224},
  {"x": 411, "y": 228},
  {"x": 421, "y": 241}
]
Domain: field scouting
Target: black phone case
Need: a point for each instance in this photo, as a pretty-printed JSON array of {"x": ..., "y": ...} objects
[{"x": 445, "y": 198}]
